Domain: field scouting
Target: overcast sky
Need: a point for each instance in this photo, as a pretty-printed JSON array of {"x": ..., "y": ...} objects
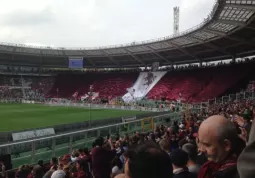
[{"x": 91, "y": 23}]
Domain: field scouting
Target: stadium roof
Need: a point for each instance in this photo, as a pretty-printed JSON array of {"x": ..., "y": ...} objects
[{"x": 227, "y": 32}]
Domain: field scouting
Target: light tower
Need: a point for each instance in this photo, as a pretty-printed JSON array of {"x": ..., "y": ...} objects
[{"x": 176, "y": 19}]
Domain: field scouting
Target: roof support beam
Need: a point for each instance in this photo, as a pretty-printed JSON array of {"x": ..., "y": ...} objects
[
  {"x": 231, "y": 22},
  {"x": 208, "y": 44},
  {"x": 217, "y": 58},
  {"x": 184, "y": 51},
  {"x": 90, "y": 61},
  {"x": 111, "y": 59},
  {"x": 252, "y": 28},
  {"x": 215, "y": 32},
  {"x": 246, "y": 41},
  {"x": 241, "y": 6},
  {"x": 157, "y": 54},
  {"x": 133, "y": 56}
]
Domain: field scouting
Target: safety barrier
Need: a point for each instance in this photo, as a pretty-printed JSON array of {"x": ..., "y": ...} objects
[{"x": 61, "y": 144}]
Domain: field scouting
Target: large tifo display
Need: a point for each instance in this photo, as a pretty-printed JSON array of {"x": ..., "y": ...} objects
[
  {"x": 75, "y": 62},
  {"x": 145, "y": 82}
]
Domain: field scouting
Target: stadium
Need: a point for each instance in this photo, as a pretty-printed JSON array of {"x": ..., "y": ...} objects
[{"x": 55, "y": 101}]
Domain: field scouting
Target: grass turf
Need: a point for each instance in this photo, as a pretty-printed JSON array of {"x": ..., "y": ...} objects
[{"x": 14, "y": 117}]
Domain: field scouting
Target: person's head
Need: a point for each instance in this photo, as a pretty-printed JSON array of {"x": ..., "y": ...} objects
[
  {"x": 75, "y": 153},
  {"x": 37, "y": 171},
  {"x": 58, "y": 174},
  {"x": 117, "y": 144},
  {"x": 81, "y": 151},
  {"x": 81, "y": 165},
  {"x": 137, "y": 134},
  {"x": 165, "y": 144},
  {"x": 217, "y": 138},
  {"x": 149, "y": 161},
  {"x": 191, "y": 150},
  {"x": 21, "y": 173},
  {"x": 86, "y": 151},
  {"x": 40, "y": 162},
  {"x": 53, "y": 161},
  {"x": 22, "y": 167},
  {"x": 179, "y": 158},
  {"x": 99, "y": 141},
  {"x": 182, "y": 142},
  {"x": 66, "y": 159}
]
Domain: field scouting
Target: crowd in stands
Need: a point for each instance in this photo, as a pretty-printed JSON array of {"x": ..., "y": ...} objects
[
  {"x": 194, "y": 85},
  {"x": 24, "y": 87},
  {"x": 215, "y": 143}
]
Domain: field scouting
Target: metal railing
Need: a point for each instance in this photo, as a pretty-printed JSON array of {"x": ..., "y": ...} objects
[
  {"x": 30, "y": 151},
  {"x": 243, "y": 95},
  {"x": 108, "y": 106}
]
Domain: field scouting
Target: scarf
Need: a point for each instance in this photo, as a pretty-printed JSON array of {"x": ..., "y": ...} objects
[{"x": 209, "y": 169}]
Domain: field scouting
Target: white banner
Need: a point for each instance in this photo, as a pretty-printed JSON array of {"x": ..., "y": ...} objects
[
  {"x": 32, "y": 134},
  {"x": 145, "y": 82},
  {"x": 84, "y": 97}
]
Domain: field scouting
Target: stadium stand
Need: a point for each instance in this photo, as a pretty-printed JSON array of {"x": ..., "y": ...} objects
[
  {"x": 190, "y": 84},
  {"x": 110, "y": 157},
  {"x": 201, "y": 84},
  {"x": 107, "y": 84},
  {"x": 213, "y": 141},
  {"x": 25, "y": 87}
]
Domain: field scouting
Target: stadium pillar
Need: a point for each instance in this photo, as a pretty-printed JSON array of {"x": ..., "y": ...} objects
[
  {"x": 90, "y": 113},
  {"x": 172, "y": 65},
  {"x": 70, "y": 144},
  {"x": 200, "y": 63},
  {"x": 234, "y": 59},
  {"x": 90, "y": 102},
  {"x": 53, "y": 147}
]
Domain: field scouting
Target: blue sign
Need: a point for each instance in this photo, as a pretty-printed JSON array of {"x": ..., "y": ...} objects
[{"x": 75, "y": 63}]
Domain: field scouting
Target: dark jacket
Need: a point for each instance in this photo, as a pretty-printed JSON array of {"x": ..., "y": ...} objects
[
  {"x": 230, "y": 172},
  {"x": 246, "y": 161},
  {"x": 185, "y": 174}
]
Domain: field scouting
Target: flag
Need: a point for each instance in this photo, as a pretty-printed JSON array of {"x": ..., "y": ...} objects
[
  {"x": 84, "y": 97},
  {"x": 75, "y": 94},
  {"x": 95, "y": 95},
  {"x": 131, "y": 90}
]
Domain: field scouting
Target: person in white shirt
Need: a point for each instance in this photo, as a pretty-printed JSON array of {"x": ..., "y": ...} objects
[{"x": 117, "y": 167}]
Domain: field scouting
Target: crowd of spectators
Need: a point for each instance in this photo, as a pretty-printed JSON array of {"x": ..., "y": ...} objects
[
  {"x": 217, "y": 142},
  {"x": 210, "y": 144},
  {"x": 31, "y": 88}
]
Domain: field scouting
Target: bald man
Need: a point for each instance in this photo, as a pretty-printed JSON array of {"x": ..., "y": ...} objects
[{"x": 218, "y": 139}]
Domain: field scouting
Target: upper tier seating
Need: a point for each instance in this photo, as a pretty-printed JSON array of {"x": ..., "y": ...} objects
[
  {"x": 191, "y": 85},
  {"x": 107, "y": 84},
  {"x": 199, "y": 84}
]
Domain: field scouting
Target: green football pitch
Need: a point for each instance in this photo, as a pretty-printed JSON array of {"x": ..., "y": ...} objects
[{"x": 14, "y": 117}]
